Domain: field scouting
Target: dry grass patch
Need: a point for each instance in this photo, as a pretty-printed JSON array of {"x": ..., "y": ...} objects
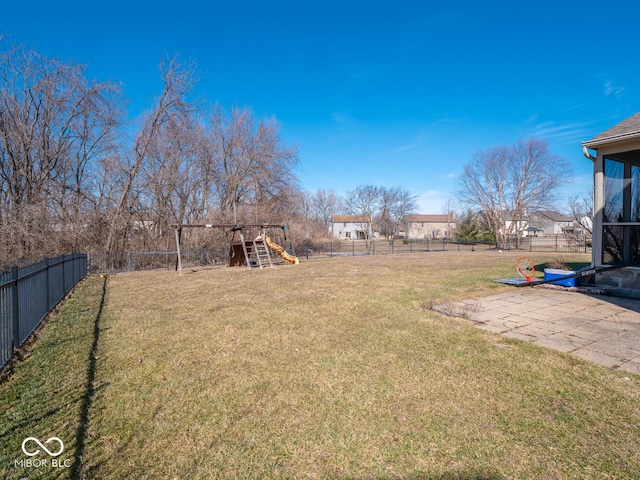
[{"x": 335, "y": 369}]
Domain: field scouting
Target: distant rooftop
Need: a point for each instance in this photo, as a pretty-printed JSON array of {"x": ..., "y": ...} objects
[
  {"x": 554, "y": 216},
  {"x": 627, "y": 129},
  {"x": 350, "y": 219},
  {"x": 432, "y": 218}
]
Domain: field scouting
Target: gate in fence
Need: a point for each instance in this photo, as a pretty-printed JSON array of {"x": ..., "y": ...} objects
[{"x": 28, "y": 294}]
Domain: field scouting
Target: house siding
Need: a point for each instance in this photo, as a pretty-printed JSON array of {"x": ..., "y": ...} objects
[
  {"x": 349, "y": 227},
  {"x": 429, "y": 226}
]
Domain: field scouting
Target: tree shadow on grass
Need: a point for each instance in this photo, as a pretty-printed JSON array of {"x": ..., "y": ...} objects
[
  {"x": 466, "y": 474},
  {"x": 90, "y": 390}
]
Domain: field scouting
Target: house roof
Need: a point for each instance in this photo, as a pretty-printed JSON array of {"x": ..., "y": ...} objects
[
  {"x": 429, "y": 218},
  {"x": 508, "y": 216},
  {"x": 553, "y": 216},
  {"x": 625, "y": 130},
  {"x": 350, "y": 219}
]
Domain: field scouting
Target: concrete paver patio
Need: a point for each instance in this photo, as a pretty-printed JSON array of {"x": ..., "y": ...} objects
[{"x": 602, "y": 329}]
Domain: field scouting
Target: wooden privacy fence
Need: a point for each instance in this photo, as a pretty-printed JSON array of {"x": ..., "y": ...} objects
[{"x": 28, "y": 294}]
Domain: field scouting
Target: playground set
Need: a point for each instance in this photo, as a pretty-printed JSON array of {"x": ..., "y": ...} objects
[{"x": 249, "y": 244}]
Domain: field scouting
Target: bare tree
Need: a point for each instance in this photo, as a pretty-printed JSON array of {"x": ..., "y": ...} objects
[
  {"x": 582, "y": 212},
  {"x": 253, "y": 168},
  {"x": 310, "y": 213},
  {"x": 69, "y": 180},
  {"x": 394, "y": 204},
  {"x": 363, "y": 202},
  {"x": 178, "y": 80},
  {"x": 53, "y": 124},
  {"x": 382, "y": 206},
  {"x": 173, "y": 178},
  {"x": 509, "y": 183},
  {"x": 324, "y": 204},
  {"x": 449, "y": 210}
]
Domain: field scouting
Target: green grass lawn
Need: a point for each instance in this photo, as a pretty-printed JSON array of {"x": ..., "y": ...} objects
[{"x": 330, "y": 369}]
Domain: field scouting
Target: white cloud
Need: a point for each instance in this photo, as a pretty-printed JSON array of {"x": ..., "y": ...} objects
[
  {"x": 564, "y": 133},
  {"x": 365, "y": 75},
  {"x": 343, "y": 119},
  {"x": 345, "y": 125},
  {"x": 611, "y": 89},
  {"x": 417, "y": 141},
  {"x": 532, "y": 119}
]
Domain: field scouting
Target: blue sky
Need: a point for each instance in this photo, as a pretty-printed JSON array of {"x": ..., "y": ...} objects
[{"x": 386, "y": 93}]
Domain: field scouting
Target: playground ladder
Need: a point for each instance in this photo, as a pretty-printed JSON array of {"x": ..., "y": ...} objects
[
  {"x": 261, "y": 253},
  {"x": 255, "y": 251}
]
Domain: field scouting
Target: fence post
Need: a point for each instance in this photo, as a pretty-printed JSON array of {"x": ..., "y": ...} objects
[
  {"x": 15, "y": 298},
  {"x": 64, "y": 283},
  {"x": 353, "y": 247},
  {"x": 47, "y": 283}
]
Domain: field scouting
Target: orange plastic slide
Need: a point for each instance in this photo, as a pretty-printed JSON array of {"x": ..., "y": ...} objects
[{"x": 281, "y": 251}]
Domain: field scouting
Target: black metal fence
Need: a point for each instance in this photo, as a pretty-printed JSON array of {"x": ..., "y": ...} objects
[
  {"x": 28, "y": 294},
  {"x": 200, "y": 257},
  {"x": 113, "y": 262},
  {"x": 336, "y": 248}
]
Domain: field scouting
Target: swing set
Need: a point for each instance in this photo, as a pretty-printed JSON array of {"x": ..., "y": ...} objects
[{"x": 249, "y": 244}]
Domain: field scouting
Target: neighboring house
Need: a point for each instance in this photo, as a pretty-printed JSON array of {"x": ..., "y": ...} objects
[
  {"x": 515, "y": 225},
  {"x": 550, "y": 223},
  {"x": 510, "y": 225},
  {"x": 348, "y": 227},
  {"x": 616, "y": 201},
  {"x": 429, "y": 226}
]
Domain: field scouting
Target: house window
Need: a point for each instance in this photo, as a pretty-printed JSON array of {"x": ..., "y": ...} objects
[
  {"x": 345, "y": 225},
  {"x": 347, "y": 235},
  {"x": 635, "y": 193},
  {"x": 614, "y": 191},
  {"x": 621, "y": 216}
]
